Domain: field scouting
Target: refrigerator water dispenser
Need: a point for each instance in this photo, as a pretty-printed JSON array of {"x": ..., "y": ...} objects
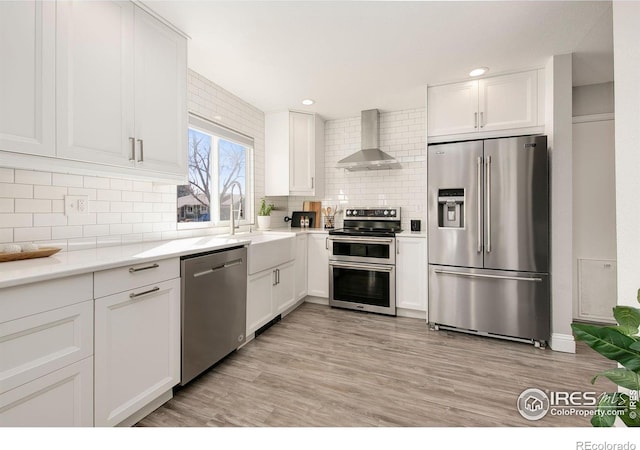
[{"x": 451, "y": 208}]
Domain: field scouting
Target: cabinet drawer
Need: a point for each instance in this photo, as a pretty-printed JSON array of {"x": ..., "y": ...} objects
[
  {"x": 34, "y": 298},
  {"x": 63, "y": 398},
  {"x": 38, "y": 344},
  {"x": 133, "y": 276}
]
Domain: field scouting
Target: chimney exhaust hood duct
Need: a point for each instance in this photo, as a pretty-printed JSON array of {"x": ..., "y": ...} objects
[{"x": 370, "y": 157}]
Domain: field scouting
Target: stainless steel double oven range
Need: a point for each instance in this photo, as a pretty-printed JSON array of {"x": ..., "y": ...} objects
[{"x": 362, "y": 260}]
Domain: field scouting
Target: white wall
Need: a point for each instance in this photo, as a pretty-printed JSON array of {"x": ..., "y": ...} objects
[
  {"x": 403, "y": 136},
  {"x": 558, "y": 124},
  {"x": 593, "y": 99},
  {"x": 626, "y": 36},
  {"x": 120, "y": 211}
]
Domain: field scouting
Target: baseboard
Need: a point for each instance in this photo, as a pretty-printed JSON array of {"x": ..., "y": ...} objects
[
  {"x": 316, "y": 300},
  {"x": 562, "y": 343},
  {"x": 148, "y": 409},
  {"x": 412, "y": 313}
]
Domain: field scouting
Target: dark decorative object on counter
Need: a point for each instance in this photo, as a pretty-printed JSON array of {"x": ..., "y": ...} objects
[{"x": 415, "y": 225}]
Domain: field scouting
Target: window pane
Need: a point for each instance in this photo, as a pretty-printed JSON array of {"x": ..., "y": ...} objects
[
  {"x": 194, "y": 198},
  {"x": 232, "y": 172}
]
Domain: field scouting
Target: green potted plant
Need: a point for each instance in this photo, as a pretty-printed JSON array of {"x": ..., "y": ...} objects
[
  {"x": 264, "y": 215},
  {"x": 619, "y": 343}
]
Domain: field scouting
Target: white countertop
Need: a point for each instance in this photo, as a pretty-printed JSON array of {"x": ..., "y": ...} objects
[
  {"x": 416, "y": 234},
  {"x": 64, "y": 264}
]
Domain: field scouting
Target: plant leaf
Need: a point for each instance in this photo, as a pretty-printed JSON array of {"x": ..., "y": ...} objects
[
  {"x": 610, "y": 343},
  {"x": 628, "y": 318},
  {"x": 638, "y": 296},
  {"x": 635, "y": 346},
  {"x": 622, "y": 377},
  {"x": 601, "y": 418}
]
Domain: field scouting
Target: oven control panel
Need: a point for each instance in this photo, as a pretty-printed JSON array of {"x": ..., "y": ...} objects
[{"x": 373, "y": 213}]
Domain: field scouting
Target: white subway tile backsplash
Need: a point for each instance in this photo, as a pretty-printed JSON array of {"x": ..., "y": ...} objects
[
  {"x": 131, "y": 238},
  {"x": 63, "y": 179},
  {"x": 95, "y": 230},
  {"x": 132, "y": 196},
  {"x": 164, "y": 207},
  {"x": 84, "y": 243},
  {"x": 6, "y": 235},
  {"x": 10, "y": 190},
  {"x": 67, "y": 232},
  {"x": 142, "y": 227},
  {"x": 121, "y": 207},
  {"x": 82, "y": 219},
  {"x": 49, "y": 192},
  {"x": 108, "y": 241},
  {"x": 152, "y": 197},
  {"x": 108, "y": 195},
  {"x": 57, "y": 206},
  {"x": 164, "y": 188},
  {"x": 28, "y": 205},
  {"x": 97, "y": 182},
  {"x": 6, "y": 175},
  {"x": 143, "y": 207},
  {"x": 14, "y": 220},
  {"x": 121, "y": 185},
  {"x": 31, "y": 234},
  {"x": 99, "y": 207},
  {"x": 32, "y": 177},
  {"x": 6, "y": 205},
  {"x": 89, "y": 192},
  {"x": 159, "y": 226},
  {"x": 108, "y": 218},
  {"x": 151, "y": 217},
  {"x": 122, "y": 228},
  {"x": 143, "y": 186},
  {"x": 132, "y": 217},
  {"x": 49, "y": 220}
]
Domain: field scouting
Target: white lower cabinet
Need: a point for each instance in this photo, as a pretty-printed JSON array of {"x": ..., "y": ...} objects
[
  {"x": 318, "y": 265},
  {"x": 63, "y": 398},
  {"x": 411, "y": 273},
  {"x": 301, "y": 267},
  {"x": 269, "y": 293},
  {"x": 137, "y": 349}
]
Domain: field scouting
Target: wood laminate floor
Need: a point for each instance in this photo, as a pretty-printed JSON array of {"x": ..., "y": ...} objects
[{"x": 330, "y": 367}]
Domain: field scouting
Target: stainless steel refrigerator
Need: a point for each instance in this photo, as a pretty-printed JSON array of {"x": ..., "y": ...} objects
[{"x": 488, "y": 220}]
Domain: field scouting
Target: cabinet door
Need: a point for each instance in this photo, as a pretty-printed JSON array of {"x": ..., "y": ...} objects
[
  {"x": 160, "y": 96},
  {"x": 94, "y": 88},
  {"x": 301, "y": 153},
  {"x": 452, "y": 108},
  {"x": 63, "y": 398},
  {"x": 318, "y": 268},
  {"x": 509, "y": 101},
  {"x": 137, "y": 349},
  {"x": 27, "y": 76},
  {"x": 259, "y": 308},
  {"x": 283, "y": 292},
  {"x": 301, "y": 267},
  {"x": 411, "y": 273}
]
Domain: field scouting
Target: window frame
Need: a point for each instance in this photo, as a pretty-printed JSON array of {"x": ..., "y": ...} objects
[{"x": 217, "y": 132}]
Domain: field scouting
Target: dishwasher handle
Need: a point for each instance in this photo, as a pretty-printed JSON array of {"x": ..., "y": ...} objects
[{"x": 226, "y": 265}]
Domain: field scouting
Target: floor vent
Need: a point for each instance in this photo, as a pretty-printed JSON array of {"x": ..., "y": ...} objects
[{"x": 264, "y": 328}]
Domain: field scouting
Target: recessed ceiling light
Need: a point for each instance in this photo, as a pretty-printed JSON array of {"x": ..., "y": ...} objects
[
  {"x": 479, "y": 71},
  {"x": 308, "y": 102}
]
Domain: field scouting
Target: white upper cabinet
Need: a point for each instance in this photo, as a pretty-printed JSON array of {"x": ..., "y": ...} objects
[
  {"x": 294, "y": 155},
  {"x": 121, "y": 88},
  {"x": 95, "y": 104},
  {"x": 27, "y": 62},
  {"x": 486, "y": 105}
]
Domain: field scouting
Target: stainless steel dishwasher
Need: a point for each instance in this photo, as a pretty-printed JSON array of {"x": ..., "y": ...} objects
[{"x": 214, "y": 305}]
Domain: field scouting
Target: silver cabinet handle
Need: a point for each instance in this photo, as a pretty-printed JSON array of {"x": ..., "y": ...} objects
[
  {"x": 275, "y": 278},
  {"x": 134, "y": 295},
  {"x": 278, "y": 276},
  {"x": 132, "y": 156},
  {"x": 139, "y": 269},
  {"x": 488, "y": 201},
  {"x": 397, "y": 247},
  {"x": 141, "y": 142},
  {"x": 479, "y": 212},
  {"x": 475, "y": 120},
  {"x": 312, "y": 182},
  {"x": 326, "y": 243},
  {"x": 481, "y": 119},
  {"x": 479, "y": 275},
  {"x": 226, "y": 265},
  {"x": 358, "y": 240}
]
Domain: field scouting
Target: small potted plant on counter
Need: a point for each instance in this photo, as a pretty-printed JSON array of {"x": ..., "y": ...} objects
[{"x": 264, "y": 215}]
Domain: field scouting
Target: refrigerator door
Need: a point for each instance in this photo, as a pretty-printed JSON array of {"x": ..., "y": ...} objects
[
  {"x": 513, "y": 304},
  {"x": 455, "y": 204},
  {"x": 516, "y": 201}
]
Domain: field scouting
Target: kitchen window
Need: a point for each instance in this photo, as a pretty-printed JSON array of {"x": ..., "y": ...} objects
[{"x": 219, "y": 158}]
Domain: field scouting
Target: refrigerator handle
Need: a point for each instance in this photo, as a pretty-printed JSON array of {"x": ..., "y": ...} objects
[
  {"x": 479, "y": 223},
  {"x": 488, "y": 201}
]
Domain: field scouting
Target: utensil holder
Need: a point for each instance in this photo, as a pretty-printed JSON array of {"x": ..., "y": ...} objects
[{"x": 329, "y": 222}]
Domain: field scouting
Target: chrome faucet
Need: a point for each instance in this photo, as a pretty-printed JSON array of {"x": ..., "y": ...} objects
[{"x": 232, "y": 221}]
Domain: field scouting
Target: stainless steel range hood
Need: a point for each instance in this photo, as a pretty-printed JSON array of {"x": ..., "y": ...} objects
[{"x": 370, "y": 157}]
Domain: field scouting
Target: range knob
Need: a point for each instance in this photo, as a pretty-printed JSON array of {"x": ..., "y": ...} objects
[
  {"x": 393, "y": 212},
  {"x": 354, "y": 212},
  {"x": 348, "y": 212},
  {"x": 386, "y": 213}
]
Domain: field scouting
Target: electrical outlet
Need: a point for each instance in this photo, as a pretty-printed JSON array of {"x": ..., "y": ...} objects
[{"x": 76, "y": 204}]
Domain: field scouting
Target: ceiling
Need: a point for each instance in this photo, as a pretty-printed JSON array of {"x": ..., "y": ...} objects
[{"x": 354, "y": 55}]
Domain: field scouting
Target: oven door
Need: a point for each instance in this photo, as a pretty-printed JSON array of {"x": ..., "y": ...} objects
[
  {"x": 364, "y": 287},
  {"x": 373, "y": 250}
]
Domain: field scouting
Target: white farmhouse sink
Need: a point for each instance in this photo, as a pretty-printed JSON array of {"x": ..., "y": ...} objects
[{"x": 269, "y": 250}]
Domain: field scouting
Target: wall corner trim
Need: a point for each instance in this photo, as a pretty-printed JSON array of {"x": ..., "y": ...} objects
[{"x": 562, "y": 343}]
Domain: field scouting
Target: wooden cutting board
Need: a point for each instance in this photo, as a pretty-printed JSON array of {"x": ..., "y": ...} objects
[{"x": 315, "y": 207}]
